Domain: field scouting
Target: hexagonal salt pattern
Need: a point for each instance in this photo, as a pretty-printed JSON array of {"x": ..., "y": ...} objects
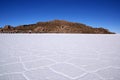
[
  {"x": 44, "y": 74},
  {"x": 90, "y": 76},
  {"x": 59, "y": 57},
  {"x": 38, "y": 63},
  {"x": 68, "y": 70}
]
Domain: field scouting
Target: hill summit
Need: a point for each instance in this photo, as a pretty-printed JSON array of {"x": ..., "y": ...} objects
[{"x": 55, "y": 26}]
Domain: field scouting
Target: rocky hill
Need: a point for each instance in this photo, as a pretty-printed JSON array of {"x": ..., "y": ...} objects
[{"x": 55, "y": 26}]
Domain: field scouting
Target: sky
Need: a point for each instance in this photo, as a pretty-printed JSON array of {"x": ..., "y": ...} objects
[{"x": 95, "y": 13}]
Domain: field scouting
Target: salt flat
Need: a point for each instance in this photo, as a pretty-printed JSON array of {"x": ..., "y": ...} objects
[{"x": 59, "y": 57}]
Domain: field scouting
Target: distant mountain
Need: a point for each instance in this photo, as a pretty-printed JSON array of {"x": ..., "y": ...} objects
[{"x": 55, "y": 26}]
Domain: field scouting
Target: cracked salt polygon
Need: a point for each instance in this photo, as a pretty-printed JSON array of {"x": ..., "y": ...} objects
[
  {"x": 31, "y": 58},
  {"x": 96, "y": 66},
  {"x": 38, "y": 63},
  {"x": 96, "y": 53},
  {"x": 44, "y": 74},
  {"x": 89, "y": 64},
  {"x": 68, "y": 69},
  {"x": 90, "y": 76}
]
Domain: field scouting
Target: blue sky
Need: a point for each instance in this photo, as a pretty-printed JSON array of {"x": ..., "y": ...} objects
[{"x": 96, "y": 13}]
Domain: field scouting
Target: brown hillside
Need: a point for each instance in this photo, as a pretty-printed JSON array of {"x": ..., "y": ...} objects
[{"x": 55, "y": 26}]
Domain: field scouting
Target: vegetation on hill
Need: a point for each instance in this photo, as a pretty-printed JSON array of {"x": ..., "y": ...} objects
[{"x": 55, "y": 26}]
